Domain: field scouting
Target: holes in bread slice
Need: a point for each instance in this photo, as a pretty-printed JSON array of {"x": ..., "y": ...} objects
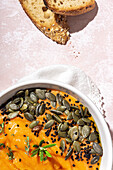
[
  {"x": 42, "y": 21},
  {"x": 44, "y": 9},
  {"x": 61, "y": 2}
]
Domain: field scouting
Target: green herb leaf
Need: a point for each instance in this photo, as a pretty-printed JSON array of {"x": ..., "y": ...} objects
[
  {"x": 16, "y": 146},
  {"x": 36, "y": 146},
  {"x": 48, "y": 146},
  {"x": 2, "y": 144},
  {"x": 42, "y": 150},
  {"x": 10, "y": 154},
  {"x": 41, "y": 155},
  {"x": 28, "y": 145},
  {"x": 48, "y": 154},
  {"x": 12, "y": 135},
  {"x": 2, "y": 127},
  {"x": 36, "y": 150},
  {"x": 41, "y": 142},
  {"x": 45, "y": 158}
]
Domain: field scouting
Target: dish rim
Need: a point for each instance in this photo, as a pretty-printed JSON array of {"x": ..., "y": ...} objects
[{"x": 6, "y": 93}]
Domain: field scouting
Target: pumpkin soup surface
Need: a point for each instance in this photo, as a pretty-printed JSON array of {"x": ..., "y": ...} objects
[{"x": 50, "y": 117}]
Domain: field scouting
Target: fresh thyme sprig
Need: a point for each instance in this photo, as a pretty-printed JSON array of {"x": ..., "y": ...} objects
[
  {"x": 28, "y": 145},
  {"x": 2, "y": 127},
  {"x": 10, "y": 154},
  {"x": 41, "y": 151}
]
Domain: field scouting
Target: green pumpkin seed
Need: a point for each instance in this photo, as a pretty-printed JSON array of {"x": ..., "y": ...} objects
[
  {"x": 64, "y": 126},
  {"x": 92, "y": 151},
  {"x": 33, "y": 124},
  {"x": 32, "y": 109},
  {"x": 12, "y": 115},
  {"x": 28, "y": 116},
  {"x": 50, "y": 97},
  {"x": 26, "y": 92},
  {"x": 74, "y": 107},
  {"x": 20, "y": 93},
  {"x": 80, "y": 129},
  {"x": 59, "y": 126},
  {"x": 69, "y": 153},
  {"x": 92, "y": 137},
  {"x": 61, "y": 108},
  {"x": 13, "y": 106},
  {"x": 66, "y": 112},
  {"x": 37, "y": 109},
  {"x": 81, "y": 111},
  {"x": 75, "y": 117},
  {"x": 86, "y": 120},
  {"x": 56, "y": 112},
  {"x": 49, "y": 117},
  {"x": 98, "y": 149},
  {"x": 73, "y": 133},
  {"x": 85, "y": 131},
  {"x": 53, "y": 104},
  {"x": 59, "y": 99},
  {"x": 17, "y": 100},
  {"x": 76, "y": 146},
  {"x": 40, "y": 94},
  {"x": 95, "y": 159},
  {"x": 24, "y": 107},
  {"x": 66, "y": 104},
  {"x": 69, "y": 117},
  {"x": 80, "y": 122},
  {"x": 33, "y": 97},
  {"x": 10, "y": 110},
  {"x": 80, "y": 138},
  {"x": 68, "y": 140},
  {"x": 85, "y": 111},
  {"x": 28, "y": 100},
  {"x": 21, "y": 102},
  {"x": 62, "y": 145},
  {"x": 49, "y": 124},
  {"x": 62, "y": 134},
  {"x": 77, "y": 112},
  {"x": 8, "y": 104},
  {"x": 57, "y": 118},
  {"x": 42, "y": 109}
]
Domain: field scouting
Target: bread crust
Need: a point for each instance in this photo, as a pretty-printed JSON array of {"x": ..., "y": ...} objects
[
  {"x": 57, "y": 31},
  {"x": 72, "y": 12}
]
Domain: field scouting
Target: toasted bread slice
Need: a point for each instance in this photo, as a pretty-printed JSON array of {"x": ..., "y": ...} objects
[
  {"x": 70, "y": 7},
  {"x": 52, "y": 25}
]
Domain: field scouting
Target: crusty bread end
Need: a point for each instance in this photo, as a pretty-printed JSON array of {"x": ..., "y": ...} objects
[
  {"x": 70, "y": 7},
  {"x": 52, "y": 25}
]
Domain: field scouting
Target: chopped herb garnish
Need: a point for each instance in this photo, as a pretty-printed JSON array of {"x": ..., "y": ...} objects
[
  {"x": 16, "y": 146},
  {"x": 28, "y": 145},
  {"x": 41, "y": 151},
  {"x": 10, "y": 154},
  {"x": 12, "y": 135},
  {"x": 2, "y": 127},
  {"x": 2, "y": 144}
]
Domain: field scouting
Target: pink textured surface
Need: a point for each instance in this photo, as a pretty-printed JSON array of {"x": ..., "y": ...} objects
[{"x": 24, "y": 49}]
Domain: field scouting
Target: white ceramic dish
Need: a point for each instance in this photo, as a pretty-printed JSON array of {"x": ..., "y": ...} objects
[{"x": 106, "y": 163}]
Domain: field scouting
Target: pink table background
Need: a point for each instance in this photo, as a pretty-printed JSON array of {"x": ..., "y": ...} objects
[{"x": 24, "y": 49}]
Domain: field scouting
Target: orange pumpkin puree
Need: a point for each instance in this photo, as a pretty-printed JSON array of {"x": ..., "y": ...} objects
[{"x": 15, "y": 133}]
